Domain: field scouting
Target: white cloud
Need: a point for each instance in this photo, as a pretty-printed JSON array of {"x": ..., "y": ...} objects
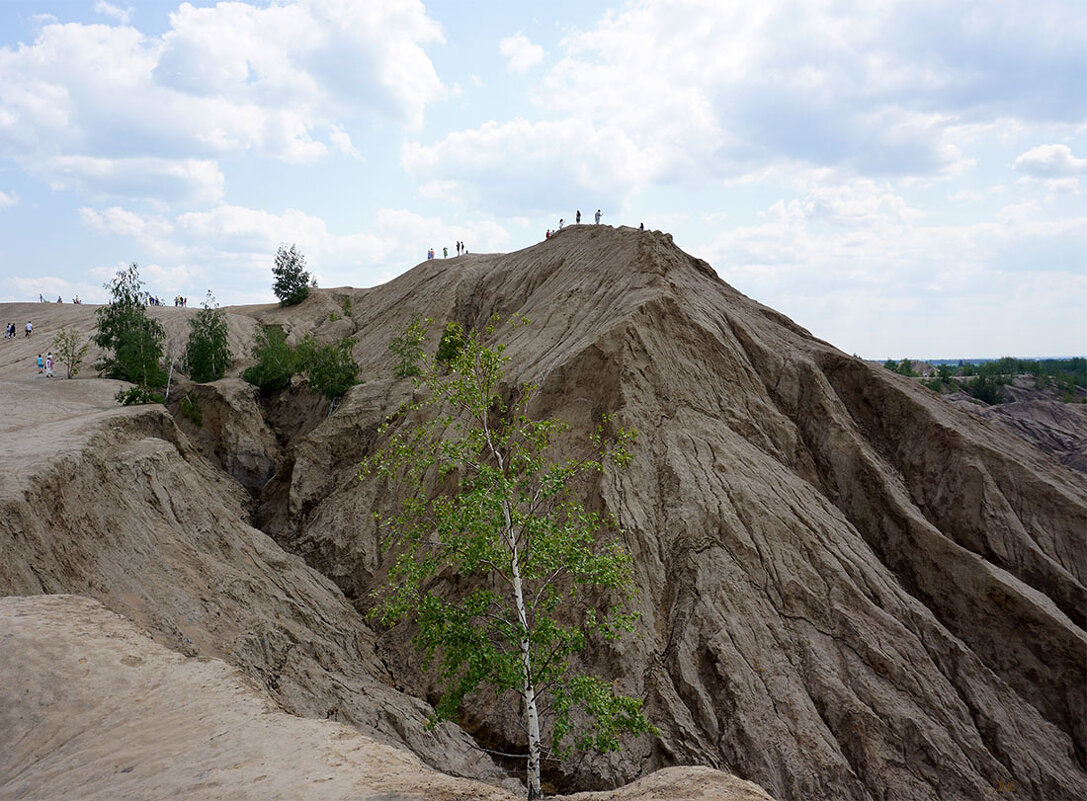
[
  {"x": 227, "y": 79},
  {"x": 728, "y": 86},
  {"x": 342, "y": 140},
  {"x": 7, "y": 201},
  {"x": 122, "y": 15},
  {"x": 522, "y": 167},
  {"x": 1050, "y": 161},
  {"x": 875, "y": 278},
  {"x": 171, "y": 181},
  {"x": 698, "y": 92},
  {"x": 520, "y": 52}
]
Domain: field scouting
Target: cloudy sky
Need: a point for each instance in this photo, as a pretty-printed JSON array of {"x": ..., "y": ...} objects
[{"x": 901, "y": 178}]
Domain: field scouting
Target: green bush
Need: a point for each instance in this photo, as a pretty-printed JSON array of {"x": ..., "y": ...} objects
[
  {"x": 451, "y": 343},
  {"x": 137, "y": 396},
  {"x": 329, "y": 369},
  {"x": 276, "y": 360},
  {"x": 987, "y": 389},
  {"x": 191, "y": 410}
]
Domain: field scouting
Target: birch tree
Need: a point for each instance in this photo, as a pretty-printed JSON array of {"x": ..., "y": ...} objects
[{"x": 521, "y": 543}]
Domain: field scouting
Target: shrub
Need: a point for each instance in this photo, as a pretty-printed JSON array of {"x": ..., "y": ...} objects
[
  {"x": 987, "y": 389},
  {"x": 191, "y": 410},
  {"x": 451, "y": 343},
  {"x": 329, "y": 369},
  {"x": 137, "y": 396},
  {"x": 276, "y": 360}
]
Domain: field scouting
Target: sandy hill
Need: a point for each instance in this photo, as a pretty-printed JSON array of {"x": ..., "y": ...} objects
[{"x": 851, "y": 589}]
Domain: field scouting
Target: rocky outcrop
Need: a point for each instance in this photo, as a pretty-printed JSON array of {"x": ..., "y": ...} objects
[
  {"x": 224, "y": 421},
  {"x": 1059, "y": 429}
]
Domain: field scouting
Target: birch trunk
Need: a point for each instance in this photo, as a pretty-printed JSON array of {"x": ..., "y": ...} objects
[{"x": 532, "y": 717}]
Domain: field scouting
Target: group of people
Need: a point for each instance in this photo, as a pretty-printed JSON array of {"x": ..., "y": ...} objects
[
  {"x": 461, "y": 250},
  {"x": 577, "y": 221},
  {"x": 75, "y": 300},
  {"x": 9, "y": 331},
  {"x": 46, "y": 365}
]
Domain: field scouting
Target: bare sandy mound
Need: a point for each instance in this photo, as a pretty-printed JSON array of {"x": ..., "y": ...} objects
[
  {"x": 850, "y": 588},
  {"x": 91, "y": 708}
]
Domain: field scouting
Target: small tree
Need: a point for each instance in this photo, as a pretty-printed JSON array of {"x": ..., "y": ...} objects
[
  {"x": 329, "y": 369},
  {"x": 292, "y": 282},
  {"x": 276, "y": 360},
  {"x": 130, "y": 340},
  {"x": 524, "y": 549},
  {"x": 71, "y": 349},
  {"x": 409, "y": 347},
  {"x": 207, "y": 354}
]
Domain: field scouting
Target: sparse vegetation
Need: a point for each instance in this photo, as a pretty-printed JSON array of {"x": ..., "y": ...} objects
[
  {"x": 207, "y": 354},
  {"x": 191, "y": 410},
  {"x": 137, "y": 396},
  {"x": 71, "y": 349},
  {"x": 985, "y": 380},
  {"x": 329, "y": 369},
  {"x": 292, "y": 281},
  {"x": 408, "y": 347},
  {"x": 275, "y": 360},
  {"x": 131, "y": 341},
  {"x": 451, "y": 343},
  {"x": 524, "y": 551}
]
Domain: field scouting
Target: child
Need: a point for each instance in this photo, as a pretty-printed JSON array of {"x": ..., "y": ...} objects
[
  {"x": 49, "y": 365},
  {"x": 41, "y": 365}
]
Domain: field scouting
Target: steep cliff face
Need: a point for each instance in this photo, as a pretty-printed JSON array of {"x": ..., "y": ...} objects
[{"x": 851, "y": 589}]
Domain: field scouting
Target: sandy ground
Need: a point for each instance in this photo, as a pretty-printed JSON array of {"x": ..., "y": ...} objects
[{"x": 91, "y": 708}]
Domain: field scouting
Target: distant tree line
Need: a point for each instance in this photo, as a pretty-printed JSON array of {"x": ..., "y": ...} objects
[{"x": 986, "y": 380}]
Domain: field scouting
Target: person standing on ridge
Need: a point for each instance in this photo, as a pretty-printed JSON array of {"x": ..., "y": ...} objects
[
  {"x": 577, "y": 217},
  {"x": 445, "y": 253},
  {"x": 561, "y": 223},
  {"x": 598, "y": 216}
]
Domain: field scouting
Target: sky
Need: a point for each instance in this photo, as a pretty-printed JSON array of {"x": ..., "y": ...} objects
[{"x": 903, "y": 179}]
